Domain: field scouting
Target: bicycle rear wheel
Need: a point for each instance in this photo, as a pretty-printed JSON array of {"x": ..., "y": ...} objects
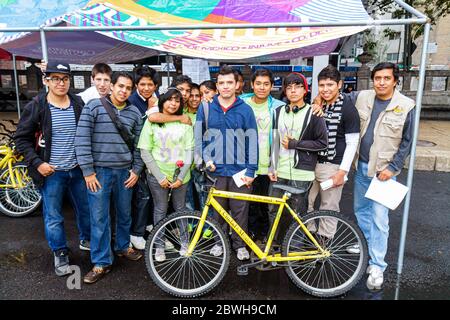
[
  {"x": 336, "y": 274},
  {"x": 178, "y": 274},
  {"x": 18, "y": 202}
]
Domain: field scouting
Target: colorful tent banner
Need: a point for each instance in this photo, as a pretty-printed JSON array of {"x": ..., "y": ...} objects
[
  {"x": 73, "y": 47},
  {"x": 214, "y": 44},
  {"x": 231, "y": 44}
]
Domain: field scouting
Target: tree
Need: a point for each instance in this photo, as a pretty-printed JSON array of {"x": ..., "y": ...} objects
[{"x": 433, "y": 9}]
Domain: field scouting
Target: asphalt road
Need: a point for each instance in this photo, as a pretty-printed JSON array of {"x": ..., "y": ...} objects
[{"x": 26, "y": 263}]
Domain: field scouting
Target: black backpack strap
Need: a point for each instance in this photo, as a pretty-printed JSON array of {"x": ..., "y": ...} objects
[
  {"x": 206, "y": 112},
  {"x": 129, "y": 141}
]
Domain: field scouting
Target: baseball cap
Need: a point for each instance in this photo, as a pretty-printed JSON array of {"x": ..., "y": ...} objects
[{"x": 57, "y": 67}]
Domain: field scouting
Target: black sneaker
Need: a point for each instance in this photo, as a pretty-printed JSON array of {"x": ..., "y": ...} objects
[
  {"x": 85, "y": 245},
  {"x": 61, "y": 258}
]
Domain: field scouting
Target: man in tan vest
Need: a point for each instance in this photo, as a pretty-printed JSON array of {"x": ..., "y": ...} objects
[{"x": 387, "y": 119}]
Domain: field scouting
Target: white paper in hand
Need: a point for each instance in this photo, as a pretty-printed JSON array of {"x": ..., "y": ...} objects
[
  {"x": 389, "y": 193},
  {"x": 327, "y": 184},
  {"x": 237, "y": 177}
]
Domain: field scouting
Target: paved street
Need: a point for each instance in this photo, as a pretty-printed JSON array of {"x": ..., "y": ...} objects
[{"x": 26, "y": 263}]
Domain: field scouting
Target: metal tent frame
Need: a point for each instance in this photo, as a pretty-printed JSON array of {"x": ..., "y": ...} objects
[{"x": 420, "y": 18}]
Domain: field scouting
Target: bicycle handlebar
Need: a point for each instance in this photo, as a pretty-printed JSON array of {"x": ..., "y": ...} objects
[{"x": 204, "y": 171}]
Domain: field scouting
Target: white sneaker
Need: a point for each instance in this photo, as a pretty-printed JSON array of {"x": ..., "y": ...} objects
[
  {"x": 183, "y": 249},
  {"x": 375, "y": 279},
  {"x": 353, "y": 249},
  {"x": 149, "y": 228},
  {"x": 169, "y": 245},
  {"x": 242, "y": 254},
  {"x": 216, "y": 251},
  {"x": 137, "y": 242},
  {"x": 160, "y": 256}
]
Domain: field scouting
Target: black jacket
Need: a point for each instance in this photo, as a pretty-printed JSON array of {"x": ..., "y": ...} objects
[
  {"x": 313, "y": 138},
  {"x": 36, "y": 124}
]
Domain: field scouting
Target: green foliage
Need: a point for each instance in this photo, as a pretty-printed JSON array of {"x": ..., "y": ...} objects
[
  {"x": 433, "y": 9},
  {"x": 370, "y": 43}
]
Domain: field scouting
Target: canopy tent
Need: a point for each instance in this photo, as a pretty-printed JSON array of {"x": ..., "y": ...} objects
[
  {"x": 262, "y": 44},
  {"x": 418, "y": 18},
  {"x": 78, "y": 47},
  {"x": 73, "y": 47},
  {"x": 232, "y": 44}
]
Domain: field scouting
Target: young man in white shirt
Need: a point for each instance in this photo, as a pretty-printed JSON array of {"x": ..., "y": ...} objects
[{"x": 101, "y": 76}]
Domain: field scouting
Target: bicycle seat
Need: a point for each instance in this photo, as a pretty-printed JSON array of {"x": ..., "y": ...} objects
[{"x": 292, "y": 190}]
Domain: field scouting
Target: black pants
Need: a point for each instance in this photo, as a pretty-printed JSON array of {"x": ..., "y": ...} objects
[
  {"x": 258, "y": 214},
  {"x": 239, "y": 208},
  {"x": 298, "y": 203},
  {"x": 142, "y": 209}
]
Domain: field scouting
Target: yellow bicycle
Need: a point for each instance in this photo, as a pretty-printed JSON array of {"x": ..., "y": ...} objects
[
  {"x": 18, "y": 195},
  {"x": 323, "y": 267}
]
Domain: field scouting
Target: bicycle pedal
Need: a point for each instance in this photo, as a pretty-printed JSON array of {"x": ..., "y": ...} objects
[
  {"x": 242, "y": 270},
  {"x": 265, "y": 267}
]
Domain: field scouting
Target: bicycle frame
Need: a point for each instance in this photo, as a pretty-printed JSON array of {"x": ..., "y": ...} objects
[
  {"x": 263, "y": 255},
  {"x": 7, "y": 162}
]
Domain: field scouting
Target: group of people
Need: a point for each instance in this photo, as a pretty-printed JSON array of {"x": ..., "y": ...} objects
[{"x": 114, "y": 149}]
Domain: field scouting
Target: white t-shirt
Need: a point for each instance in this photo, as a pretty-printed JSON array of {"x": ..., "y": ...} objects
[{"x": 89, "y": 94}]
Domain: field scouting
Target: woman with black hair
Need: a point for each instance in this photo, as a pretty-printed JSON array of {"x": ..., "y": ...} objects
[
  {"x": 208, "y": 89},
  {"x": 163, "y": 146}
]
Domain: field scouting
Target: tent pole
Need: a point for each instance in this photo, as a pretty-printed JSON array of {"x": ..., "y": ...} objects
[
  {"x": 16, "y": 84},
  {"x": 44, "y": 50},
  {"x": 168, "y": 70},
  {"x": 410, "y": 9},
  {"x": 412, "y": 159},
  {"x": 345, "y": 23},
  {"x": 44, "y": 46}
]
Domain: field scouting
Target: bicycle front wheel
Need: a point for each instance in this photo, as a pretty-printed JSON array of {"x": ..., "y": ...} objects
[
  {"x": 178, "y": 274},
  {"x": 336, "y": 274},
  {"x": 18, "y": 202}
]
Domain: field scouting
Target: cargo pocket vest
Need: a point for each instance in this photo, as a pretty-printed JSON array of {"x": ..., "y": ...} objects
[{"x": 388, "y": 128}]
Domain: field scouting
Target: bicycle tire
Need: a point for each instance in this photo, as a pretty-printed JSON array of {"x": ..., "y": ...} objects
[
  {"x": 18, "y": 203},
  {"x": 177, "y": 275},
  {"x": 332, "y": 276}
]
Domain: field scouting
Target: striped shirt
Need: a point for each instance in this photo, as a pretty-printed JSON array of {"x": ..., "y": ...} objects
[
  {"x": 99, "y": 143},
  {"x": 64, "y": 128}
]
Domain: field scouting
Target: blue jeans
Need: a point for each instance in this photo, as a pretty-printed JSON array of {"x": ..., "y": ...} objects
[
  {"x": 53, "y": 190},
  {"x": 112, "y": 182},
  {"x": 373, "y": 218}
]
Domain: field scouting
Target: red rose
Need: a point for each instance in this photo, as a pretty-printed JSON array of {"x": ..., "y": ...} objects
[{"x": 179, "y": 163}]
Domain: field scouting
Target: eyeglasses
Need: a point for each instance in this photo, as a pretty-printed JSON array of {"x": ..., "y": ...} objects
[
  {"x": 57, "y": 80},
  {"x": 294, "y": 87}
]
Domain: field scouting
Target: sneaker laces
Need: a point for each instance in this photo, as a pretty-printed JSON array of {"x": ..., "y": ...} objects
[{"x": 98, "y": 270}]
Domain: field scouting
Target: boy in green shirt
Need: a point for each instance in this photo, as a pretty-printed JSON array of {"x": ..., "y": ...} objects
[
  {"x": 298, "y": 136},
  {"x": 263, "y": 105}
]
